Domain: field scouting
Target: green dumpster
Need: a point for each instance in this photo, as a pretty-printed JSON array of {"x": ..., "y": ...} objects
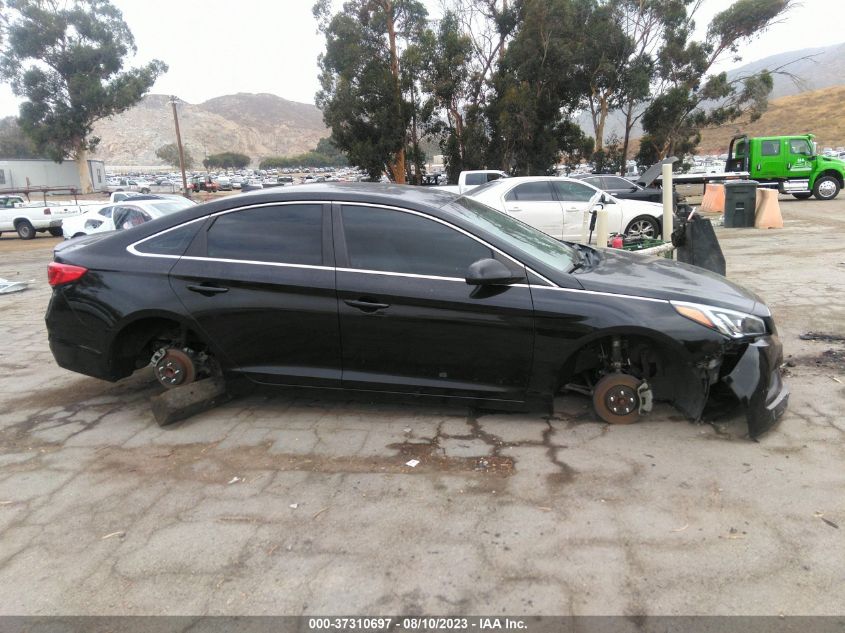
[{"x": 740, "y": 203}]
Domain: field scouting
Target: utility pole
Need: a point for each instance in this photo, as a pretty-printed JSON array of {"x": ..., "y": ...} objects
[{"x": 185, "y": 191}]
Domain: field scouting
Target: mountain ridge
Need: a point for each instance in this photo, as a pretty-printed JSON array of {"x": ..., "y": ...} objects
[{"x": 256, "y": 124}]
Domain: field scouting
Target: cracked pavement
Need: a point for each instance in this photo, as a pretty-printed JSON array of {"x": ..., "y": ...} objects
[{"x": 302, "y": 503}]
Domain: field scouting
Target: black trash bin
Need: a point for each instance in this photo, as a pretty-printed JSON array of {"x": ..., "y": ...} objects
[{"x": 740, "y": 203}]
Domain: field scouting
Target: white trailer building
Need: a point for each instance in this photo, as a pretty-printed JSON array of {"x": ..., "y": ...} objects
[{"x": 18, "y": 174}]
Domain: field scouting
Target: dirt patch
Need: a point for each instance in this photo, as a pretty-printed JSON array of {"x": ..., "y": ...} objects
[
  {"x": 820, "y": 336},
  {"x": 829, "y": 359},
  {"x": 205, "y": 463}
]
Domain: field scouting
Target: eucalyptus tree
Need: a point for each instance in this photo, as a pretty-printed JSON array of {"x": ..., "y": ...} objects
[{"x": 66, "y": 59}]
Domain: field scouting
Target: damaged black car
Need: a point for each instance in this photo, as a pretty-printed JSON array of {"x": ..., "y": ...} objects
[{"x": 408, "y": 290}]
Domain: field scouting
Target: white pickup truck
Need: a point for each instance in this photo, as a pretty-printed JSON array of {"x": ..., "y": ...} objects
[
  {"x": 29, "y": 218},
  {"x": 469, "y": 180},
  {"x": 129, "y": 184}
]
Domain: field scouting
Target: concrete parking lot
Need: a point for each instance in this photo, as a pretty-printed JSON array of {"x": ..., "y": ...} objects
[{"x": 302, "y": 503}]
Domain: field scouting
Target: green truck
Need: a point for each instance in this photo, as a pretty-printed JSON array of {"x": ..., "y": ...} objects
[{"x": 788, "y": 163}]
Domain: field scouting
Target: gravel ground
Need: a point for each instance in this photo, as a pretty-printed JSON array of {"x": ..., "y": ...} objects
[{"x": 295, "y": 503}]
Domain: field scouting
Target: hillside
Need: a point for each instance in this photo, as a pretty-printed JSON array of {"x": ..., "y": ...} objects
[
  {"x": 810, "y": 69},
  {"x": 257, "y": 125},
  {"x": 818, "y": 112}
]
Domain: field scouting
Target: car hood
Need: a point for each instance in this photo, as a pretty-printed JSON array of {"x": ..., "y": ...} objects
[
  {"x": 619, "y": 272},
  {"x": 829, "y": 161},
  {"x": 640, "y": 207}
]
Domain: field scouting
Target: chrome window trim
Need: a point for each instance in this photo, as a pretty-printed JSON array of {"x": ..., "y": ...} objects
[{"x": 133, "y": 250}]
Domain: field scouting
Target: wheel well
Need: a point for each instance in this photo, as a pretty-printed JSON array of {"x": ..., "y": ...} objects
[
  {"x": 834, "y": 174},
  {"x": 666, "y": 368},
  {"x": 19, "y": 221},
  {"x": 134, "y": 344}
]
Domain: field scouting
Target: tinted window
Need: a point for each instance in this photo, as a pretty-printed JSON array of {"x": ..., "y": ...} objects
[
  {"x": 800, "y": 146},
  {"x": 171, "y": 206},
  {"x": 393, "y": 241},
  {"x": 573, "y": 191},
  {"x": 492, "y": 177},
  {"x": 518, "y": 236},
  {"x": 171, "y": 243},
  {"x": 106, "y": 212},
  {"x": 289, "y": 234},
  {"x": 531, "y": 192},
  {"x": 770, "y": 148},
  {"x": 129, "y": 217},
  {"x": 476, "y": 179},
  {"x": 615, "y": 182}
]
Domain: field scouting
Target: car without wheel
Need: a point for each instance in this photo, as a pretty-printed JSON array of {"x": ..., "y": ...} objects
[
  {"x": 408, "y": 290},
  {"x": 558, "y": 205}
]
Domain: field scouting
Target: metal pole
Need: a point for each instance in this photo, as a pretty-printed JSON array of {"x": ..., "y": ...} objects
[
  {"x": 668, "y": 202},
  {"x": 185, "y": 191},
  {"x": 601, "y": 228}
]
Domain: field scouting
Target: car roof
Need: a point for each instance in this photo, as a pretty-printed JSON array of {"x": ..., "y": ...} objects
[{"x": 143, "y": 204}]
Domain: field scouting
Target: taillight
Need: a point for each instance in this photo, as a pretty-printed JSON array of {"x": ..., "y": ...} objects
[{"x": 58, "y": 274}]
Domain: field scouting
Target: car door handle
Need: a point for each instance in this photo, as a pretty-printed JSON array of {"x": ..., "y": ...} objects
[
  {"x": 207, "y": 290},
  {"x": 365, "y": 305}
]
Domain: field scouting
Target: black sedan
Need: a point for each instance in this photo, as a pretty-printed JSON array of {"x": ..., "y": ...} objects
[
  {"x": 410, "y": 290},
  {"x": 621, "y": 187}
]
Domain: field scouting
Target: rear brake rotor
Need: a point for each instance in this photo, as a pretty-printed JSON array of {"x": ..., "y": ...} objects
[
  {"x": 616, "y": 399},
  {"x": 175, "y": 368}
]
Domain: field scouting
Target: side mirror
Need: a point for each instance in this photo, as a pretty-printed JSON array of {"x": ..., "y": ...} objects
[{"x": 491, "y": 272}]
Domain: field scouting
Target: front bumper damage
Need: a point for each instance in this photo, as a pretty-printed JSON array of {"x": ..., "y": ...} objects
[{"x": 756, "y": 382}]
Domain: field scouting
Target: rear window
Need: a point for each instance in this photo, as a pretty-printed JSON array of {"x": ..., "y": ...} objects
[
  {"x": 770, "y": 148},
  {"x": 288, "y": 234},
  {"x": 173, "y": 242},
  {"x": 170, "y": 206},
  {"x": 476, "y": 179},
  {"x": 531, "y": 192}
]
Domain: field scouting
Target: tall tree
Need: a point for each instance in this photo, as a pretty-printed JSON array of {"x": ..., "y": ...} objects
[
  {"x": 606, "y": 52},
  {"x": 538, "y": 87},
  {"x": 647, "y": 23},
  {"x": 361, "y": 93},
  {"x": 690, "y": 99},
  {"x": 66, "y": 60},
  {"x": 170, "y": 155}
]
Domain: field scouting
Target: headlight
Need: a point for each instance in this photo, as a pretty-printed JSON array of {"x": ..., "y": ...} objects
[{"x": 728, "y": 322}]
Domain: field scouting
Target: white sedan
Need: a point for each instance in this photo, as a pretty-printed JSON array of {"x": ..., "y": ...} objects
[
  {"x": 122, "y": 216},
  {"x": 557, "y": 206}
]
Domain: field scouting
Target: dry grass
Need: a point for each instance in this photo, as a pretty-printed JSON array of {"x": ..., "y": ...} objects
[{"x": 819, "y": 112}]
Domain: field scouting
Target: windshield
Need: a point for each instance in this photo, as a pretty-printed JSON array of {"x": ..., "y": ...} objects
[
  {"x": 521, "y": 236},
  {"x": 170, "y": 206}
]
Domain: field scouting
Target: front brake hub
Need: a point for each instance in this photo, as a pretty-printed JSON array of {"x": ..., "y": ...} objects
[{"x": 616, "y": 398}]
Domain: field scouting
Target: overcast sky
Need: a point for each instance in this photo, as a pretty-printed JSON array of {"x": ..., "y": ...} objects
[{"x": 217, "y": 47}]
